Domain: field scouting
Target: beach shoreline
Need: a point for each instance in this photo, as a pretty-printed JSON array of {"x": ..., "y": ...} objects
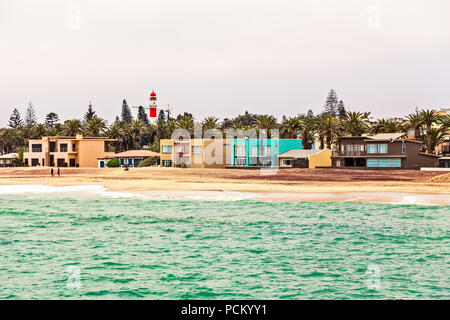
[{"x": 400, "y": 186}]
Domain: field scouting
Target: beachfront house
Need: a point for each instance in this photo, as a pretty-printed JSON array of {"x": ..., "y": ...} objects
[
  {"x": 194, "y": 153},
  {"x": 383, "y": 150},
  {"x": 76, "y": 151},
  {"x": 250, "y": 152},
  {"x": 305, "y": 158},
  {"x": 130, "y": 158},
  {"x": 8, "y": 160}
]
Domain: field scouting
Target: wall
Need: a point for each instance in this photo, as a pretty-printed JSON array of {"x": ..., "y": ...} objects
[
  {"x": 89, "y": 151},
  {"x": 166, "y": 156},
  {"x": 321, "y": 159}
]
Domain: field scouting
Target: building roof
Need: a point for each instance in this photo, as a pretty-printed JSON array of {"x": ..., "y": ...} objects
[
  {"x": 9, "y": 156},
  {"x": 387, "y": 136},
  {"x": 134, "y": 154},
  {"x": 298, "y": 154}
]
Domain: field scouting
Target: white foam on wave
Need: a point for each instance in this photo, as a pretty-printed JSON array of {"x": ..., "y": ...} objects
[
  {"x": 100, "y": 191},
  {"x": 96, "y": 190}
]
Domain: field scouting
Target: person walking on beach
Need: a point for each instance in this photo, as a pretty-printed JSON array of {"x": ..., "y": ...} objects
[
  {"x": 59, "y": 172},
  {"x": 51, "y": 172}
]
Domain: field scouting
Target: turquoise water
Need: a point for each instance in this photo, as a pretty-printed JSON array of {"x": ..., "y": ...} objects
[{"x": 178, "y": 249}]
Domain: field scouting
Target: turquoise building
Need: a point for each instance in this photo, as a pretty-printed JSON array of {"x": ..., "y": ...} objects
[{"x": 260, "y": 152}]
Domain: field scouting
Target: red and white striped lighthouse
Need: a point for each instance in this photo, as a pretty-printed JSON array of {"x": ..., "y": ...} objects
[{"x": 153, "y": 106}]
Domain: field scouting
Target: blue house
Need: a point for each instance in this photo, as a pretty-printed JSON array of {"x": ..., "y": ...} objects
[{"x": 260, "y": 152}]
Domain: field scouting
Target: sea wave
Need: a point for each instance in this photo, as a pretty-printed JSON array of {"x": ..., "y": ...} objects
[{"x": 222, "y": 195}]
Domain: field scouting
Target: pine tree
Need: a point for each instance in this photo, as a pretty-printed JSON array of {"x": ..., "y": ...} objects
[
  {"x": 310, "y": 114},
  {"x": 331, "y": 104},
  {"x": 90, "y": 114},
  {"x": 142, "y": 115},
  {"x": 341, "y": 110},
  {"x": 126, "y": 112},
  {"x": 161, "y": 115},
  {"x": 15, "y": 120},
  {"x": 51, "y": 119},
  {"x": 117, "y": 119},
  {"x": 30, "y": 115}
]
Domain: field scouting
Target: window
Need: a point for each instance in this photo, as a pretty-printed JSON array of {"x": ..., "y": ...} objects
[
  {"x": 240, "y": 151},
  {"x": 287, "y": 163},
  {"x": 384, "y": 163},
  {"x": 240, "y": 162},
  {"x": 382, "y": 148},
  {"x": 167, "y": 149},
  {"x": 74, "y": 147},
  {"x": 34, "y": 162},
  {"x": 377, "y": 148},
  {"x": 63, "y": 147},
  {"x": 403, "y": 147},
  {"x": 338, "y": 163},
  {"x": 254, "y": 150},
  {"x": 167, "y": 163},
  {"x": 196, "y": 149},
  {"x": 36, "y": 148},
  {"x": 372, "y": 148}
]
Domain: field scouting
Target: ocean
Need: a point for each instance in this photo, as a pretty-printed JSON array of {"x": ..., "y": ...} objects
[{"x": 87, "y": 244}]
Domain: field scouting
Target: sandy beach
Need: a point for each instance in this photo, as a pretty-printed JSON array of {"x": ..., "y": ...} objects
[{"x": 285, "y": 184}]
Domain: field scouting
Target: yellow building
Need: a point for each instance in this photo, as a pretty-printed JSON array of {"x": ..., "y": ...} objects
[
  {"x": 305, "y": 158},
  {"x": 76, "y": 151},
  {"x": 194, "y": 153}
]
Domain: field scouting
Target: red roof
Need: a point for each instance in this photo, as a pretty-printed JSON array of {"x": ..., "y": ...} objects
[{"x": 153, "y": 94}]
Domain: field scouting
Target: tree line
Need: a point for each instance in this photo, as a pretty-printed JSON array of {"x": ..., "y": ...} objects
[{"x": 135, "y": 133}]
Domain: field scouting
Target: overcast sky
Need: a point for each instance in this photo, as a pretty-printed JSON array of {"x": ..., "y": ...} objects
[{"x": 211, "y": 57}]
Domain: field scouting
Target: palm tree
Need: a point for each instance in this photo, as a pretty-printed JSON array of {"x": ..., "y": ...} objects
[
  {"x": 438, "y": 136},
  {"x": 290, "y": 128},
  {"x": 40, "y": 130},
  {"x": 385, "y": 126},
  {"x": 415, "y": 122},
  {"x": 237, "y": 125},
  {"x": 307, "y": 129},
  {"x": 265, "y": 122},
  {"x": 355, "y": 123},
  {"x": 446, "y": 122},
  {"x": 137, "y": 128},
  {"x": 161, "y": 128},
  {"x": 116, "y": 132},
  {"x": 429, "y": 117},
  {"x": 210, "y": 123},
  {"x": 331, "y": 128},
  {"x": 171, "y": 126},
  {"x": 185, "y": 122},
  {"x": 72, "y": 127},
  {"x": 95, "y": 127}
]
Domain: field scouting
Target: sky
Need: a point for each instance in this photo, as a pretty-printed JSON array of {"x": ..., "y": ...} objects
[{"x": 220, "y": 58}]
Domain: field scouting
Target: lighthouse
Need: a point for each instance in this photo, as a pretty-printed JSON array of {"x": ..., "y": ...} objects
[{"x": 153, "y": 106}]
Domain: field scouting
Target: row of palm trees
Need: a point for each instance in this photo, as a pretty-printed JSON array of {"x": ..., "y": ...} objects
[{"x": 428, "y": 126}]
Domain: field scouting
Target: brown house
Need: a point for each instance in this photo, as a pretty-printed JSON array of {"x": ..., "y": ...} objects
[{"x": 384, "y": 150}]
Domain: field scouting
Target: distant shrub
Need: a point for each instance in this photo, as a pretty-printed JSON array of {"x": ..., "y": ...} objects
[
  {"x": 113, "y": 163},
  {"x": 148, "y": 162}
]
